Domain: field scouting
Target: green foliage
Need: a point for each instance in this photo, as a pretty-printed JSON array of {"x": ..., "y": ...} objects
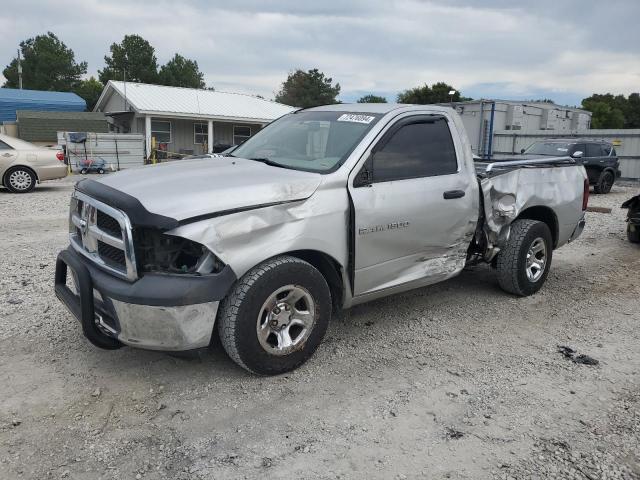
[
  {"x": 613, "y": 111},
  {"x": 136, "y": 56},
  {"x": 372, "y": 99},
  {"x": 308, "y": 89},
  {"x": 47, "y": 64},
  {"x": 181, "y": 72},
  {"x": 436, "y": 93},
  {"x": 538, "y": 100},
  {"x": 90, "y": 91}
]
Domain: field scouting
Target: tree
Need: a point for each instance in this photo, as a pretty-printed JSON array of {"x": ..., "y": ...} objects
[
  {"x": 47, "y": 64},
  {"x": 372, "y": 99},
  {"x": 90, "y": 91},
  {"x": 136, "y": 56},
  {"x": 308, "y": 89},
  {"x": 632, "y": 112},
  {"x": 436, "y": 93},
  {"x": 609, "y": 111},
  {"x": 181, "y": 72}
]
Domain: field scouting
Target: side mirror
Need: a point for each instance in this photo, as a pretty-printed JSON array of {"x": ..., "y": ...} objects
[
  {"x": 577, "y": 154},
  {"x": 522, "y": 150}
]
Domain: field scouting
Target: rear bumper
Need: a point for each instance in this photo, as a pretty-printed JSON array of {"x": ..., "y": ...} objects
[
  {"x": 163, "y": 312},
  {"x": 52, "y": 172}
]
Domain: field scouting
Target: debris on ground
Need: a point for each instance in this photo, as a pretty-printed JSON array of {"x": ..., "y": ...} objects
[
  {"x": 570, "y": 354},
  {"x": 598, "y": 209},
  {"x": 454, "y": 434}
]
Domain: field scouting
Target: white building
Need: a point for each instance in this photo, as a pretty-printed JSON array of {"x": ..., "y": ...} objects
[
  {"x": 186, "y": 120},
  {"x": 484, "y": 118}
]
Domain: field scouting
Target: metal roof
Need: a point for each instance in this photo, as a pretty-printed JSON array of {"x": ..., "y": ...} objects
[
  {"x": 527, "y": 103},
  {"x": 191, "y": 102},
  {"x": 12, "y": 99}
]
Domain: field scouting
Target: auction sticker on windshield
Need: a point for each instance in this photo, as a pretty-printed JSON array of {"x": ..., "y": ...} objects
[{"x": 352, "y": 117}]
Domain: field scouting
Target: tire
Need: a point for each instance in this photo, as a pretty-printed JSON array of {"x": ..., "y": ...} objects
[
  {"x": 633, "y": 236},
  {"x": 604, "y": 183},
  {"x": 20, "y": 180},
  {"x": 253, "y": 331},
  {"x": 100, "y": 171},
  {"x": 515, "y": 275},
  {"x": 84, "y": 171}
]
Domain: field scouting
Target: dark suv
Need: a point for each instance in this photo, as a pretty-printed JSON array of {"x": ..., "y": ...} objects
[{"x": 598, "y": 157}]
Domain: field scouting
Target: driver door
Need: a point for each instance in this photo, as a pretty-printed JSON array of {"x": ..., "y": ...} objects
[{"x": 415, "y": 210}]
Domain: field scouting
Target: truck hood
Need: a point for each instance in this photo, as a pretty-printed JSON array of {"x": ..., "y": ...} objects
[{"x": 185, "y": 189}]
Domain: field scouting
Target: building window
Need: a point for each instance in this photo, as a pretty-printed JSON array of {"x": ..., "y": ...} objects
[
  {"x": 240, "y": 134},
  {"x": 200, "y": 133},
  {"x": 161, "y": 131}
]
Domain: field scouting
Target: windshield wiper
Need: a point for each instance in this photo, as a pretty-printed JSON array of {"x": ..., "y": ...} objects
[{"x": 271, "y": 163}]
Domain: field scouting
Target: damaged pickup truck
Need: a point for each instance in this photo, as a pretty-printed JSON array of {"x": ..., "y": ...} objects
[{"x": 323, "y": 209}]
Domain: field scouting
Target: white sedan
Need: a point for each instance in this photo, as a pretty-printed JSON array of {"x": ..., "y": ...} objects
[{"x": 23, "y": 164}]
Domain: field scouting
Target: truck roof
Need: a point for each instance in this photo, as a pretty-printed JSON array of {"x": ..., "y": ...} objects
[
  {"x": 572, "y": 140},
  {"x": 375, "y": 107}
]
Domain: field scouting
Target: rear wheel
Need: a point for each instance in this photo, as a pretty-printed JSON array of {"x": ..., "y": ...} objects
[
  {"x": 276, "y": 316},
  {"x": 605, "y": 182},
  {"x": 20, "y": 180},
  {"x": 84, "y": 171},
  {"x": 101, "y": 171},
  {"x": 633, "y": 233},
  {"x": 523, "y": 264}
]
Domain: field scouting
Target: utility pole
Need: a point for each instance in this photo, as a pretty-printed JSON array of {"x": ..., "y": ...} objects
[
  {"x": 124, "y": 80},
  {"x": 19, "y": 71}
]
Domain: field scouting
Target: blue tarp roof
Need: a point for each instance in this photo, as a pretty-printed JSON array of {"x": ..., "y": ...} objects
[{"x": 12, "y": 99}]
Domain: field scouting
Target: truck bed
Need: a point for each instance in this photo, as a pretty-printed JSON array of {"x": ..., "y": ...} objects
[
  {"x": 510, "y": 186},
  {"x": 486, "y": 168}
]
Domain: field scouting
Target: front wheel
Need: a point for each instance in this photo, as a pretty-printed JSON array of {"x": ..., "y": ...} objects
[
  {"x": 275, "y": 316},
  {"x": 523, "y": 264}
]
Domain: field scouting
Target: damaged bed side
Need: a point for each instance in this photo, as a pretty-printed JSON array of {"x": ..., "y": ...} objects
[{"x": 551, "y": 190}]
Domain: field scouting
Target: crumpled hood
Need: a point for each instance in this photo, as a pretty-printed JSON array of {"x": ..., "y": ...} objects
[{"x": 191, "y": 188}]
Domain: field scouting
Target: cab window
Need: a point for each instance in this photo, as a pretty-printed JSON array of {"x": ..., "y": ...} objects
[{"x": 421, "y": 147}]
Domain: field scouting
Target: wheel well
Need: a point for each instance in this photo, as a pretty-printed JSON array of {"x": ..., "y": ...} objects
[
  {"x": 25, "y": 167},
  {"x": 545, "y": 215},
  {"x": 330, "y": 270}
]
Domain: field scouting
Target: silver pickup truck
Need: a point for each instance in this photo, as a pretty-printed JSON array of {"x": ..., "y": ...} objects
[{"x": 323, "y": 209}]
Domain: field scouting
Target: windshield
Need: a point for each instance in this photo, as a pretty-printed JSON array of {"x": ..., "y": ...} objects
[
  {"x": 309, "y": 140},
  {"x": 553, "y": 149}
]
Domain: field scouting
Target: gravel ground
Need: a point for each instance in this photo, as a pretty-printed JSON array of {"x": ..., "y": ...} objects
[{"x": 458, "y": 380}]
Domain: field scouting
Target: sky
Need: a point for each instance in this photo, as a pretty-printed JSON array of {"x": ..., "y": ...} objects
[{"x": 559, "y": 49}]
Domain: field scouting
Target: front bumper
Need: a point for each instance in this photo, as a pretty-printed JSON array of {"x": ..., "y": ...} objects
[{"x": 157, "y": 312}]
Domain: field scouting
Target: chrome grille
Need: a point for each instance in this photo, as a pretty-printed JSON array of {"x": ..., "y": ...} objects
[{"x": 102, "y": 234}]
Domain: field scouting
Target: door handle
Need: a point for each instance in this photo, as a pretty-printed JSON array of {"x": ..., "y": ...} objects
[{"x": 453, "y": 194}]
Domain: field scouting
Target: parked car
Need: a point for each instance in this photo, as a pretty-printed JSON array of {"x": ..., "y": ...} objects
[
  {"x": 23, "y": 164},
  {"x": 323, "y": 209},
  {"x": 598, "y": 157},
  {"x": 633, "y": 218}
]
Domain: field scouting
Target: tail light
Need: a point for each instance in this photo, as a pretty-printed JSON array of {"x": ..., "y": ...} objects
[
  {"x": 585, "y": 194},
  {"x": 60, "y": 156}
]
